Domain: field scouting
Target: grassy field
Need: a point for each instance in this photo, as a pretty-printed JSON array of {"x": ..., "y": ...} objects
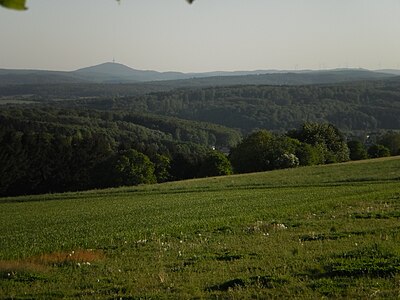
[{"x": 326, "y": 231}]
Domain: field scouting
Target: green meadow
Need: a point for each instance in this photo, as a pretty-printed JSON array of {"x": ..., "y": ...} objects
[{"x": 324, "y": 231}]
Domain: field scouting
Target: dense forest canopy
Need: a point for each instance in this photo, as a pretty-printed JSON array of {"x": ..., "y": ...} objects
[
  {"x": 51, "y": 149},
  {"x": 359, "y": 106},
  {"x": 76, "y": 142},
  {"x": 362, "y": 106},
  {"x": 46, "y": 148}
]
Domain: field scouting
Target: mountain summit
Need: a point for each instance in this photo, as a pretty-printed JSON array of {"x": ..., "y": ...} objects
[
  {"x": 115, "y": 72},
  {"x": 109, "y": 68}
]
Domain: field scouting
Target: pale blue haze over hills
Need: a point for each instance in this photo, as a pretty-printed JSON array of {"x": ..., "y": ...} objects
[
  {"x": 111, "y": 72},
  {"x": 208, "y": 35}
]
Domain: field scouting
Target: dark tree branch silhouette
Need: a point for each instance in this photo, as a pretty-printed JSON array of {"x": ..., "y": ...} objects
[{"x": 21, "y": 4}]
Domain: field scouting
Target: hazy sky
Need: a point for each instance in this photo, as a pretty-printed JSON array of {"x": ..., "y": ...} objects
[{"x": 208, "y": 35}]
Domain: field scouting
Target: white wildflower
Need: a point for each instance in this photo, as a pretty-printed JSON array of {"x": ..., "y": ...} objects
[{"x": 281, "y": 226}]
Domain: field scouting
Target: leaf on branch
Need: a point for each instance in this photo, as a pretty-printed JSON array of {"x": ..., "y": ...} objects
[{"x": 14, "y": 4}]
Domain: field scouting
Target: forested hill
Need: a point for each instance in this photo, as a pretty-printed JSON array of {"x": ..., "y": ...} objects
[
  {"x": 72, "y": 143},
  {"x": 52, "y": 149},
  {"x": 145, "y": 131},
  {"x": 65, "y": 85},
  {"x": 284, "y": 78},
  {"x": 364, "y": 106}
]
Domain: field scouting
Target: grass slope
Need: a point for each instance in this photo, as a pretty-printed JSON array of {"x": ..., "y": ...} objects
[{"x": 310, "y": 232}]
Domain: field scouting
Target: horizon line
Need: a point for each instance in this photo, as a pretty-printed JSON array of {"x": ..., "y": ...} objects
[{"x": 294, "y": 70}]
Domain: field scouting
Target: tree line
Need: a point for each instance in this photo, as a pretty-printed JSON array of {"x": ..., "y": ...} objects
[
  {"x": 310, "y": 144},
  {"x": 48, "y": 149},
  {"x": 42, "y": 162},
  {"x": 41, "y": 154}
]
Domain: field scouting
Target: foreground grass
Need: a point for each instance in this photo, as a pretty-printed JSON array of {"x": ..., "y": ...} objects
[{"x": 310, "y": 232}]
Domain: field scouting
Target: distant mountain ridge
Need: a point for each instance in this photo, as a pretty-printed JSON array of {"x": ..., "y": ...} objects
[
  {"x": 390, "y": 71},
  {"x": 115, "y": 72},
  {"x": 111, "y": 72}
]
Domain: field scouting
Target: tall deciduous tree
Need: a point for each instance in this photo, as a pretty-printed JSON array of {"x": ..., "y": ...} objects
[
  {"x": 262, "y": 151},
  {"x": 215, "y": 164},
  {"x": 133, "y": 168},
  {"x": 250, "y": 155},
  {"x": 357, "y": 150},
  {"x": 309, "y": 155},
  {"x": 162, "y": 165},
  {"x": 376, "y": 151},
  {"x": 326, "y": 137}
]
